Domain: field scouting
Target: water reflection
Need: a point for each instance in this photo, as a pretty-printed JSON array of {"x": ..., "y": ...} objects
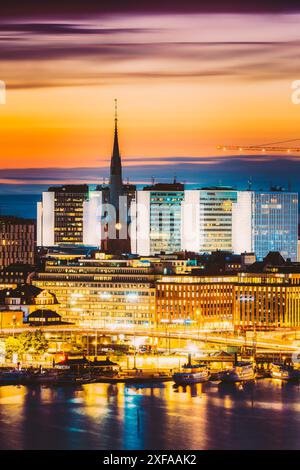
[{"x": 265, "y": 414}]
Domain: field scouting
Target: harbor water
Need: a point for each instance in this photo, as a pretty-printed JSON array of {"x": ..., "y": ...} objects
[{"x": 261, "y": 415}]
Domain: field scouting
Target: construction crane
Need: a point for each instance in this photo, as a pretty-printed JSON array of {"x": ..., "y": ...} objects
[{"x": 270, "y": 147}]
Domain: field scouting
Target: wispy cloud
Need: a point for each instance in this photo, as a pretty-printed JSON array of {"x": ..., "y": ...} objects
[
  {"x": 205, "y": 47},
  {"x": 226, "y": 170}
]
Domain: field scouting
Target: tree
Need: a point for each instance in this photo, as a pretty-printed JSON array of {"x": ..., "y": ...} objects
[
  {"x": 12, "y": 346},
  {"x": 33, "y": 342},
  {"x": 39, "y": 343}
]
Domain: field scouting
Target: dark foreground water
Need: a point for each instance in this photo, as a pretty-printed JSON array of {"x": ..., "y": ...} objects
[{"x": 265, "y": 415}]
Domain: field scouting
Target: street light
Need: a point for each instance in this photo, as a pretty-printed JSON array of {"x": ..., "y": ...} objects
[{"x": 198, "y": 315}]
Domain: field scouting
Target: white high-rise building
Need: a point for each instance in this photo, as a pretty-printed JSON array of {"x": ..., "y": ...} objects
[
  {"x": 264, "y": 222},
  {"x": 156, "y": 219},
  {"x": 207, "y": 219},
  {"x": 69, "y": 215}
]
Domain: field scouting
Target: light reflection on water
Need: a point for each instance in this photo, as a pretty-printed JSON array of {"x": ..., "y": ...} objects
[{"x": 102, "y": 416}]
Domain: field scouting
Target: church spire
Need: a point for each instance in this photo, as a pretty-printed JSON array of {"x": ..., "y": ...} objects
[
  {"x": 118, "y": 241},
  {"x": 116, "y": 166}
]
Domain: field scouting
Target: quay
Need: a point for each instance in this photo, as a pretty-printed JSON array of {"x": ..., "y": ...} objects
[{"x": 222, "y": 338}]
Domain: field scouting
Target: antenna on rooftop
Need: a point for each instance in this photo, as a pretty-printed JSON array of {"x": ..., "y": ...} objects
[{"x": 250, "y": 183}]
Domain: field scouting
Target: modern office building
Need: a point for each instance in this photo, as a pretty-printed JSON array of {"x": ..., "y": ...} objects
[
  {"x": 197, "y": 301},
  {"x": 266, "y": 301},
  {"x": 244, "y": 301},
  {"x": 207, "y": 219},
  {"x": 101, "y": 292},
  {"x": 156, "y": 219},
  {"x": 69, "y": 215},
  {"x": 264, "y": 222},
  {"x": 17, "y": 241}
]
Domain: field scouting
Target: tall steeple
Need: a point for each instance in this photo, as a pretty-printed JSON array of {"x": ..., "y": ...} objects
[
  {"x": 115, "y": 167},
  {"x": 117, "y": 240}
]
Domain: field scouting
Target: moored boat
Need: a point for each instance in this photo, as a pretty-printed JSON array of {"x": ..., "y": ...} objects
[
  {"x": 241, "y": 372},
  {"x": 191, "y": 374},
  {"x": 284, "y": 372},
  {"x": 68, "y": 380}
]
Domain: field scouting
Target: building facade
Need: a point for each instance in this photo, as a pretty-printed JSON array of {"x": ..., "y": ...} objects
[
  {"x": 267, "y": 301},
  {"x": 156, "y": 219},
  {"x": 101, "y": 292},
  {"x": 27, "y": 298},
  {"x": 207, "y": 219},
  {"x": 69, "y": 215},
  {"x": 197, "y": 301},
  {"x": 264, "y": 222},
  {"x": 17, "y": 241}
]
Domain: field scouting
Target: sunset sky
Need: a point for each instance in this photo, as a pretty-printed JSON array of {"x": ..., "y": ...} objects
[{"x": 186, "y": 81}]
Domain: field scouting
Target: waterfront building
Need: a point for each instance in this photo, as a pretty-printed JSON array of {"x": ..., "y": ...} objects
[
  {"x": 262, "y": 301},
  {"x": 156, "y": 225},
  {"x": 197, "y": 301},
  {"x": 170, "y": 291},
  {"x": 267, "y": 301},
  {"x": 264, "y": 222},
  {"x": 17, "y": 241},
  {"x": 101, "y": 292},
  {"x": 69, "y": 215},
  {"x": 207, "y": 219}
]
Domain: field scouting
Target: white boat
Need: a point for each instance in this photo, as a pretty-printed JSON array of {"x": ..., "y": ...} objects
[
  {"x": 283, "y": 372},
  {"x": 191, "y": 374},
  {"x": 241, "y": 372}
]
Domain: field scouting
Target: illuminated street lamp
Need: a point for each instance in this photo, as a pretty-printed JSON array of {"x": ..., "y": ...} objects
[{"x": 14, "y": 324}]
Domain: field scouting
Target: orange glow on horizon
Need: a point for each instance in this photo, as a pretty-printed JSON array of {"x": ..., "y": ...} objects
[{"x": 59, "y": 113}]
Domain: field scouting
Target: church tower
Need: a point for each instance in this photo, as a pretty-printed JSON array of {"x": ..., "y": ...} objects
[
  {"x": 116, "y": 239},
  {"x": 115, "y": 181}
]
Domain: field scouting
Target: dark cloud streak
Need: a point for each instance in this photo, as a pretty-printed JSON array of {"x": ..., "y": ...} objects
[
  {"x": 228, "y": 170},
  {"x": 56, "y": 7},
  {"x": 64, "y": 29}
]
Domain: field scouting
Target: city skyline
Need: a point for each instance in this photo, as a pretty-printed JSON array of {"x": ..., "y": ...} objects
[{"x": 149, "y": 229}]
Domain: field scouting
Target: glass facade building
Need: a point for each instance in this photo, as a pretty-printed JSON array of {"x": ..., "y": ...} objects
[
  {"x": 266, "y": 221},
  {"x": 165, "y": 221},
  {"x": 275, "y": 224}
]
